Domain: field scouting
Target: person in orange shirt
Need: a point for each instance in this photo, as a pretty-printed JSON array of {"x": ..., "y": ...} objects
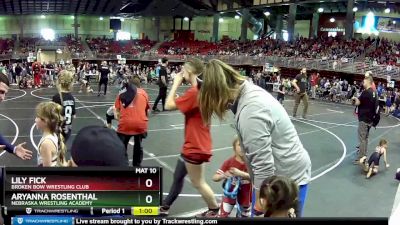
[{"x": 131, "y": 109}]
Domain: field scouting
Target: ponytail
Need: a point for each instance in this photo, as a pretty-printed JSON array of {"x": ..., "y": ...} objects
[
  {"x": 62, "y": 149},
  {"x": 280, "y": 193}
]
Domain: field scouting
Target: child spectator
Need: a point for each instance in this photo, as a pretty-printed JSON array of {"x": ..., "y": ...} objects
[
  {"x": 29, "y": 82},
  {"x": 281, "y": 92},
  {"x": 235, "y": 169},
  {"x": 65, "y": 98},
  {"x": 279, "y": 197},
  {"x": 23, "y": 83},
  {"x": 373, "y": 163},
  {"x": 51, "y": 148},
  {"x": 388, "y": 103},
  {"x": 85, "y": 86}
]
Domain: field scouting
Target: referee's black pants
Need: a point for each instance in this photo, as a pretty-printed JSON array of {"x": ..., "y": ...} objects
[
  {"x": 162, "y": 95},
  {"x": 105, "y": 82}
]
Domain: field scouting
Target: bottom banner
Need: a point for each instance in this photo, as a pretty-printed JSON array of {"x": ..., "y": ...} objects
[
  {"x": 65, "y": 220},
  {"x": 27, "y": 220}
]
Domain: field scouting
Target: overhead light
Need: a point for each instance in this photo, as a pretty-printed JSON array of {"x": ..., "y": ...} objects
[
  {"x": 101, "y": 18},
  {"x": 122, "y": 19},
  {"x": 221, "y": 20},
  {"x": 332, "y": 20},
  {"x": 394, "y": 22},
  {"x": 123, "y": 7},
  {"x": 221, "y": 12},
  {"x": 355, "y": 9},
  {"x": 48, "y": 34},
  {"x": 186, "y": 18},
  {"x": 267, "y": 13},
  {"x": 320, "y": 10},
  {"x": 387, "y": 10},
  {"x": 237, "y": 17},
  {"x": 43, "y": 16}
]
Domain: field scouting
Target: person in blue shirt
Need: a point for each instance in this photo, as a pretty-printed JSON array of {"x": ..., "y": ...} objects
[
  {"x": 380, "y": 89},
  {"x": 18, "y": 150}
]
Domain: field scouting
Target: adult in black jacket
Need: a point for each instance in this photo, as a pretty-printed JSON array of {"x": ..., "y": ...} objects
[
  {"x": 163, "y": 84},
  {"x": 103, "y": 77}
]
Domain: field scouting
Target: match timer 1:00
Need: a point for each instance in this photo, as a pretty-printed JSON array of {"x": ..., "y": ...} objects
[{"x": 145, "y": 211}]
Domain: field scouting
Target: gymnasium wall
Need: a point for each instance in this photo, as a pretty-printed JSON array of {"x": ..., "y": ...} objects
[
  {"x": 31, "y": 25},
  {"x": 230, "y": 27},
  {"x": 91, "y": 26},
  {"x": 46, "y": 56},
  {"x": 202, "y": 27},
  {"x": 302, "y": 28}
]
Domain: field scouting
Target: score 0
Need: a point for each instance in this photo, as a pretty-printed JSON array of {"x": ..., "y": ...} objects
[
  {"x": 150, "y": 180},
  {"x": 149, "y": 183}
]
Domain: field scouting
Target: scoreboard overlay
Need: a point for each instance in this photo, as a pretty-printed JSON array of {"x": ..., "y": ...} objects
[{"x": 81, "y": 191}]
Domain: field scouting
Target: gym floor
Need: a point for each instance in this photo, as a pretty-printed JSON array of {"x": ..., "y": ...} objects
[{"x": 338, "y": 188}]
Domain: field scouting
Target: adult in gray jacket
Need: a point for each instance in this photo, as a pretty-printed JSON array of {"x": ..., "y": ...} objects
[{"x": 268, "y": 137}]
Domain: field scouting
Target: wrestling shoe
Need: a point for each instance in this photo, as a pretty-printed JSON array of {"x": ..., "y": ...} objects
[
  {"x": 211, "y": 213},
  {"x": 164, "y": 211}
]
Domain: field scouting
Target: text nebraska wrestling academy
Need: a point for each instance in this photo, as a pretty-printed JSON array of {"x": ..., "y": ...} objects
[{"x": 54, "y": 197}]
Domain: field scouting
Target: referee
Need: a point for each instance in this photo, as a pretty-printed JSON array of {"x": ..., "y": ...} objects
[
  {"x": 103, "y": 77},
  {"x": 163, "y": 85}
]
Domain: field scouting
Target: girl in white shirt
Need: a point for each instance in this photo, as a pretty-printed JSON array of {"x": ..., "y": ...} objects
[{"x": 51, "y": 148}]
